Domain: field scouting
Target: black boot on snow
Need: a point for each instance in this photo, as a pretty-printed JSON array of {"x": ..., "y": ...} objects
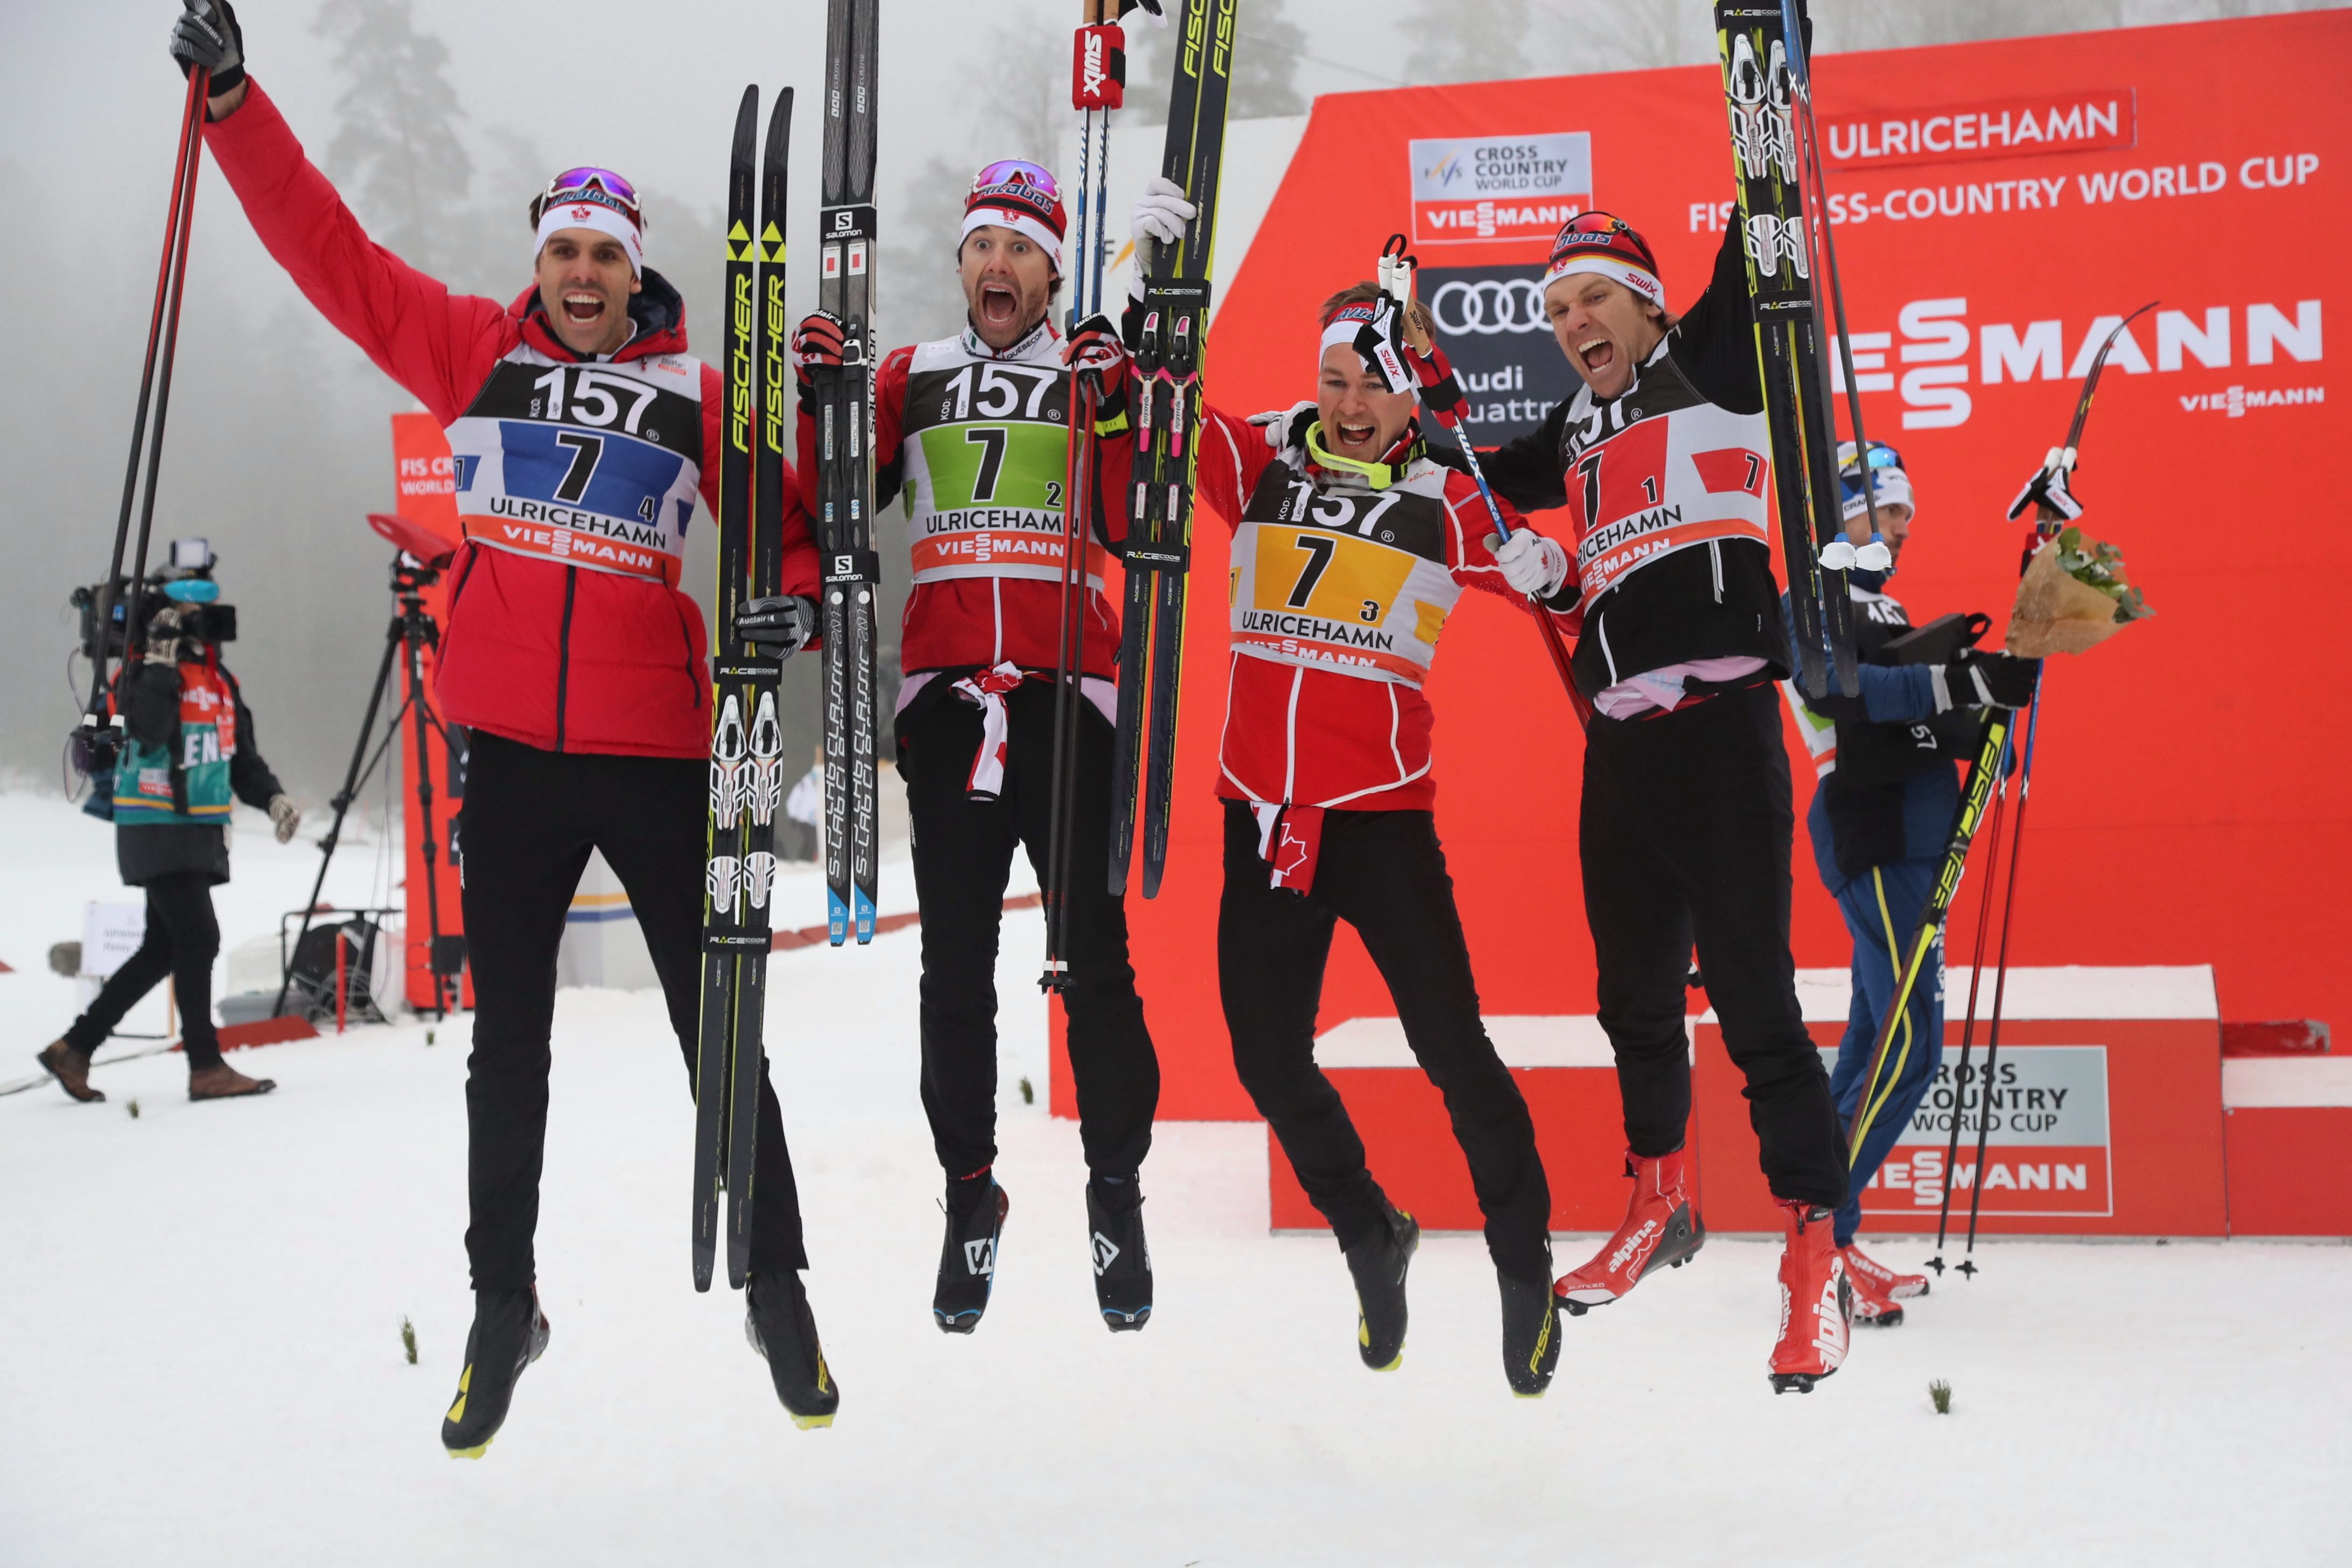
[
  {"x": 976, "y": 1208},
  {"x": 1530, "y": 1335},
  {"x": 778, "y": 1322},
  {"x": 510, "y": 1332},
  {"x": 1378, "y": 1262},
  {"x": 1122, "y": 1260}
]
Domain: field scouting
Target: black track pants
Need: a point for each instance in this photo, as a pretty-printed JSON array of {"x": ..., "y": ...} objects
[
  {"x": 531, "y": 818},
  {"x": 1384, "y": 874},
  {"x": 963, "y": 854},
  {"x": 1685, "y": 833},
  {"x": 182, "y": 941}
]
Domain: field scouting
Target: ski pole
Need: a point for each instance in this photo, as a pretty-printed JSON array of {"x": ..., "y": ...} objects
[
  {"x": 1396, "y": 271},
  {"x": 162, "y": 334},
  {"x": 1968, "y": 1028},
  {"x": 2000, "y": 972}
]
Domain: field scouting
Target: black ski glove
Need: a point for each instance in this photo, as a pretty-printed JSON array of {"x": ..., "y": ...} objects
[
  {"x": 1986, "y": 681},
  {"x": 207, "y": 35},
  {"x": 780, "y": 625}
]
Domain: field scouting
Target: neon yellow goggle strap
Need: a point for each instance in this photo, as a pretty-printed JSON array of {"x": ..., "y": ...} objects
[{"x": 1377, "y": 474}]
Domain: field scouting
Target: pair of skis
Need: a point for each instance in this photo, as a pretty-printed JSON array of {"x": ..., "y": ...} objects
[
  {"x": 746, "y": 739},
  {"x": 1167, "y": 399},
  {"x": 1784, "y": 223}
]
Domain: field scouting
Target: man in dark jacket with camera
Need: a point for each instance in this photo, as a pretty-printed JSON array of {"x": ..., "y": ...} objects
[{"x": 188, "y": 755}]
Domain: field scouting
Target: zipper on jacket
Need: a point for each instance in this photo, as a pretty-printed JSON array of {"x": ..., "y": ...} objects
[{"x": 564, "y": 653}]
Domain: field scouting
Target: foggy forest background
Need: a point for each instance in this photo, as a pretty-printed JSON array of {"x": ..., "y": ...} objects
[{"x": 438, "y": 119}]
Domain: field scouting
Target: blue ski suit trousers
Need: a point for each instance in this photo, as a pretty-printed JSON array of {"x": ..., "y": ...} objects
[{"x": 1881, "y": 909}]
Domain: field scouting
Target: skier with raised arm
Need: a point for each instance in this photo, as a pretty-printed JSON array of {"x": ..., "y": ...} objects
[
  {"x": 1352, "y": 549},
  {"x": 1885, "y": 803},
  {"x": 582, "y": 433},
  {"x": 1687, "y": 824},
  {"x": 972, "y": 432}
]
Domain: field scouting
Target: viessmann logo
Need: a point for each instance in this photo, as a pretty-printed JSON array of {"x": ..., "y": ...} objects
[{"x": 1467, "y": 189}]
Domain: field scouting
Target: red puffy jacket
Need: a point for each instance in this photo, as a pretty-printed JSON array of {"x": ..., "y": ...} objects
[{"x": 554, "y": 655}]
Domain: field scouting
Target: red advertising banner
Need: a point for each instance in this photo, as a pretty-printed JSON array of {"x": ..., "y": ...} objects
[
  {"x": 425, "y": 479},
  {"x": 2189, "y": 807}
]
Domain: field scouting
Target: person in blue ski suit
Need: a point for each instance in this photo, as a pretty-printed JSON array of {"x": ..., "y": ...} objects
[{"x": 1889, "y": 787}]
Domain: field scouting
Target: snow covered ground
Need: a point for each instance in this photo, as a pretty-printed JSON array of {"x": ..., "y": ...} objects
[{"x": 200, "y": 1354}]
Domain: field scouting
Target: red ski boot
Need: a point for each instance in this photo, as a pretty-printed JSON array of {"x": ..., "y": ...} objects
[
  {"x": 1893, "y": 1286},
  {"x": 1816, "y": 1302},
  {"x": 1872, "y": 1307},
  {"x": 1661, "y": 1226}
]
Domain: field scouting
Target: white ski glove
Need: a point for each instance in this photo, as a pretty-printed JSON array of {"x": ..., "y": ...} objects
[
  {"x": 1285, "y": 427},
  {"x": 1531, "y": 564},
  {"x": 1160, "y": 212},
  {"x": 284, "y": 818}
]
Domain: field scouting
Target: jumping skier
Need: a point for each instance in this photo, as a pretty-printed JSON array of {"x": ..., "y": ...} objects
[
  {"x": 580, "y": 428},
  {"x": 972, "y": 430},
  {"x": 1351, "y": 550},
  {"x": 191, "y": 755},
  {"x": 1687, "y": 824},
  {"x": 1880, "y": 815}
]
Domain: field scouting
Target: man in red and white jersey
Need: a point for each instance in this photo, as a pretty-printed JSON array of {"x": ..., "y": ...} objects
[
  {"x": 580, "y": 426},
  {"x": 972, "y": 432},
  {"x": 1352, "y": 551},
  {"x": 1663, "y": 460}
]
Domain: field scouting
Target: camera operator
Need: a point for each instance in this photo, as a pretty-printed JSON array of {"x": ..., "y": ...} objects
[{"x": 189, "y": 749}]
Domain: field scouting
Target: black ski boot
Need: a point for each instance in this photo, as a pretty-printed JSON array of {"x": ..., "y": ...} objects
[
  {"x": 976, "y": 1208},
  {"x": 510, "y": 1332},
  {"x": 778, "y": 1322},
  {"x": 1123, "y": 1259},
  {"x": 1530, "y": 1335},
  {"x": 1378, "y": 1263}
]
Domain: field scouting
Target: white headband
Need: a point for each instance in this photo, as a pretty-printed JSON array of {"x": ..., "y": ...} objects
[
  {"x": 1890, "y": 487},
  {"x": 1363, "y": 329},
  {"x": 1640, "y": 279},
  {"x": 592, "y": 215},
  {"x": 1019, "y": 223}
]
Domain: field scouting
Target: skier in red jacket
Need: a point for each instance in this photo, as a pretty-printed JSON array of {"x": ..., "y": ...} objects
[
  {"x": 579, "y": 425},
  {"x": 1351, "y": 550}
]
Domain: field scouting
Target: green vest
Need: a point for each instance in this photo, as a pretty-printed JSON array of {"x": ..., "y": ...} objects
[{"x": 185, "y": 780}]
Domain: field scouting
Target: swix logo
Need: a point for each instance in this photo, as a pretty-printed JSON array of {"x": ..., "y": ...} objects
[
  {"x": 1635, "y": 1246},
  {"x": 980, "y": 1256},
  {"x": 1106, "y": 1250},
  {"x": 1093, "y": 70}
]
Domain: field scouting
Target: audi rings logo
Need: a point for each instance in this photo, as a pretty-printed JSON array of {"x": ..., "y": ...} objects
[{"x": 1488, "y": 306}]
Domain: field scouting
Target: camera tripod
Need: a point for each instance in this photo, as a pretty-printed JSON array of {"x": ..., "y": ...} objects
[{"x": 411, "y": 630}]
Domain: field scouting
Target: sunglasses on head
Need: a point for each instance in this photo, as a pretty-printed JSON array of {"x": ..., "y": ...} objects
[
  {"x": 601, "y": 186},
  {"x": 1019, "y": 172}
]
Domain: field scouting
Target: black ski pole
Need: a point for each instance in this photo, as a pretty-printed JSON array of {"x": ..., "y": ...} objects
[
  {"x": 163, "y": 331},
  {"x": 1969, "y": 1027}
]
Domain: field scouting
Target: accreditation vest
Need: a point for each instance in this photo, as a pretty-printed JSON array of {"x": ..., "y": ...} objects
[
  {"x": 1337, "y": 576},
  {"x": 1659, "y": 469},
  {"x": 586, "y": 465},
  {"x": 186, "y": 780},
  {"x": 986, "y": 444}
]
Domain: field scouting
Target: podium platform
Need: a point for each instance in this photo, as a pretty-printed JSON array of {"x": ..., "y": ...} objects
[{"x": 2113, "y": 1114}]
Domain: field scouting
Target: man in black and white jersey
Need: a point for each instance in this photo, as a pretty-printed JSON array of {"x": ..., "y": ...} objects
[{"x": 1663, "y": 460}]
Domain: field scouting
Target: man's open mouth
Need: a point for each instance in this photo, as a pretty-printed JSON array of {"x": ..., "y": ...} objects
[
  {"x": 1597, "y": 354},
  {"x": 581, "y": 308},
  {"x": 1353, "y": 434},
  {"x": 999, "y": 305}
]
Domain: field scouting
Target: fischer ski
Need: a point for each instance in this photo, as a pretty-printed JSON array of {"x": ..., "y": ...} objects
[
  {"x": 746, "y": 739},
  {"x": 1098, "y": 82},
  {"x": 1772, "y": 214},
  {"x": 1167, "y": 414},
  {"x": 845, "y": 478}
]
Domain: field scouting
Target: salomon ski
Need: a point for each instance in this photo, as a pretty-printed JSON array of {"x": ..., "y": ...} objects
[
  {"x": 845, "y": 478},
  {"x": 1175, "y": 317},
  {"x": 746, "y": 739},
  {"x": 1780, "y": 287}
]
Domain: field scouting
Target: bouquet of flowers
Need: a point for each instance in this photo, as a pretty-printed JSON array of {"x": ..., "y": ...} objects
[{"x": 2072, "y": 595}]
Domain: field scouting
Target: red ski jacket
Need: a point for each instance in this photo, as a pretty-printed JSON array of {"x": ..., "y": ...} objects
[
  {"x": 555, "y": 655},
  {"x": 1338, "y": 593}
]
